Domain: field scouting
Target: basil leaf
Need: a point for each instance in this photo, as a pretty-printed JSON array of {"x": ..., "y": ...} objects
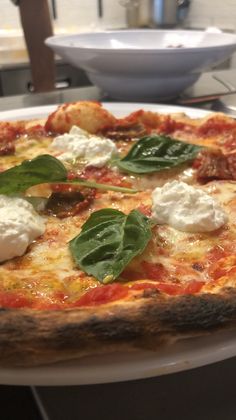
[
  {"x": 42, "y": 169},
  {"x": 39, "y": 203},
  {"x": 108, "y": 241},
  {"x": 45, "y": 169},
  {"x": 155, "y": 153},
  {"x": 104, "y": 187}
]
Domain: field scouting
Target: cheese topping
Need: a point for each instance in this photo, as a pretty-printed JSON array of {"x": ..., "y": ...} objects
[
  {"x": 187, "y": 176},
  {"x": 19, "y": 226},
  {"x": 45, "y": 277},
  {"x": 79, "y": 144},
  {"x": 187, "y": 208}
]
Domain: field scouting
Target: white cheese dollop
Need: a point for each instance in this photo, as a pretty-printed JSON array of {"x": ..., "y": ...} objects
[
  {"x": 79, "y": 144},
  {"x": 19, "y": 226},
  {"x": 187, "y": 208}
]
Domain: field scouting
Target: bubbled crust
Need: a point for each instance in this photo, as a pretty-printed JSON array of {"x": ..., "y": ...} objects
[
  {"x": 88, "y": 115},
  {"x": 33, "y": 338}
]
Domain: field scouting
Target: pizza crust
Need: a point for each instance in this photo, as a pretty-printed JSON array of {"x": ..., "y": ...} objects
[{"x": 31, "y": 338}]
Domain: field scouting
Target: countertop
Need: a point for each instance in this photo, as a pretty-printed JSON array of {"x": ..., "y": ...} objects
[
  {"x": 50, "y": 98},
  {"x": 211, "y": 85}
]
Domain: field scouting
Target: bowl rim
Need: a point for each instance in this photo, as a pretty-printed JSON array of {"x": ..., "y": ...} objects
[{"x": 53, "y": 42}]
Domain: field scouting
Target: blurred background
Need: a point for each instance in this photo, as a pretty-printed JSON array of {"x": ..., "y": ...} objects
[{"x": 93, "y": 15}]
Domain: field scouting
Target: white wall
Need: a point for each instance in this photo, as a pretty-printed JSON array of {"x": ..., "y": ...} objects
[
  {"x": 219, "y": 13},
  {"x": 82, "y": 14},
  {"x": 72, "y": 14},
  {"x": 9, "y": 16}
]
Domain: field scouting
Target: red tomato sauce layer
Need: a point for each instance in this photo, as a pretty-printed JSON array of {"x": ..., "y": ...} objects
[{"x": 97, "y": 296}]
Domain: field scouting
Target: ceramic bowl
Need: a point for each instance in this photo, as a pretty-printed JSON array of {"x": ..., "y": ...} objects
[{"x": 147, "y": 65}]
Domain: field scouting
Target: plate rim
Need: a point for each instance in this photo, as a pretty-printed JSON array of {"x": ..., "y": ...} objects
[
  {"x": 52, "y": 42},
  {"x": 43, "y": 110}
]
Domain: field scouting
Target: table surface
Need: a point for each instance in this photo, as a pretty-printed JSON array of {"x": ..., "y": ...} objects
[{"x": 206, "y": 393}]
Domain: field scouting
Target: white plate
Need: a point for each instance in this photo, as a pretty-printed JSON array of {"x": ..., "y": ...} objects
[
  {"x": 118, "y": 108},
  {"x": 183, "y": 355},
  {"x": 116, "y": 367}
]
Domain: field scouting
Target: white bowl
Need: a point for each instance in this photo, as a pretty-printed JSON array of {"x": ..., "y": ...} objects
[{"x": 144, "y": 64}]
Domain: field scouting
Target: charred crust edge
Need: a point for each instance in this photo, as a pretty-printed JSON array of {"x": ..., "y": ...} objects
[{"x": 30, "y": 338}]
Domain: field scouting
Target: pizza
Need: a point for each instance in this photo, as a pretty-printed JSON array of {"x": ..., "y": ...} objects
[{"x": 115, "y": 233}]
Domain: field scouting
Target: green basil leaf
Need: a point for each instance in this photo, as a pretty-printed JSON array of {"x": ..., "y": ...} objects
[
  {"x": 39, "y": 203},
  {"x": 104, "y": 187},
  {"x": 45, "y": 169},
  {"x": 42, "y": 169},
  {"x": 108, "y": 241},
  {"x": 155, "y": 153}
]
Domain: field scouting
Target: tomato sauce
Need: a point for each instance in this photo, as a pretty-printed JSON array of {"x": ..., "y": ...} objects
[
  {"x": 215, "y": 126},
  {"x": 14, "y": 300},
  {"x": 104, "y": 176},
  {"x": 189, "y": 288},
  {"x": 153, "y": 271},
  {"x": 102, "y": 294},
  {"x": 169, "y": 126}
]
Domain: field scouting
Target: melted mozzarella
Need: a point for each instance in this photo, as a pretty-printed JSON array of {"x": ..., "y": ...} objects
[
  {"x": 19, "y": 226},
  {"x": 187, "y": 208},
  {"x": 78, "y": 144}
]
